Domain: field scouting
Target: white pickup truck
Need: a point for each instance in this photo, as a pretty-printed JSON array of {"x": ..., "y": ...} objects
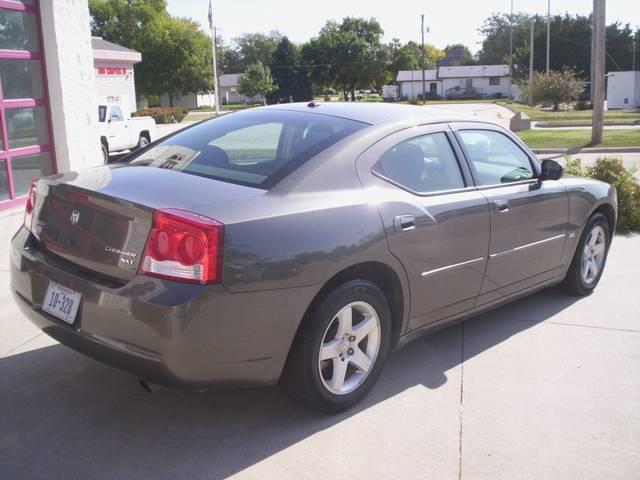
[{"x": 118, "y": 133}]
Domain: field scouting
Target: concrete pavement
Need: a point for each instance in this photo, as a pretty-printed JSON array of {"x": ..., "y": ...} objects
[{"x": 545, "y": 388}]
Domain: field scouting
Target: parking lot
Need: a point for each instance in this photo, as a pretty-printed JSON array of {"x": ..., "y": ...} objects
[{"x": 545, "y": 388}]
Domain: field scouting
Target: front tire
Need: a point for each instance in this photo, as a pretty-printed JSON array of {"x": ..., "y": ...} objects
[
  {"x": 143, "y": 141},
  {"x": 589, "y": 258},
  {"x": 340, "y": 348}
]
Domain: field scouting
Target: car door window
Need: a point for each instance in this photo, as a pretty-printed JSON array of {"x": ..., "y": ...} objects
[
  {"x": 116, "y": 114},
  {"x": 423, "y": 164},
  {"x": 495, "y": 158}
]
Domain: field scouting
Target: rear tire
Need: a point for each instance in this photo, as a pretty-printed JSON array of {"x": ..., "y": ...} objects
[
  {"x": 142, "y": 142},
  {"x": 340, "y": 348},
  {"x": 105, "y": 153},
  {"x": 589, "y": 258}
]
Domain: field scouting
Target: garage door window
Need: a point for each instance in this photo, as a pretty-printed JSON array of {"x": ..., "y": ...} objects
[{"x": 25, "y": 143}]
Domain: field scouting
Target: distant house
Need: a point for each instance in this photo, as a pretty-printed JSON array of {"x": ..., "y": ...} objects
[
  {"x": 457, "y": 81},
  {"x": 113, "y": 66},
  {"x": 623, "y": 90},
  {"x": 228, "y": 82}
]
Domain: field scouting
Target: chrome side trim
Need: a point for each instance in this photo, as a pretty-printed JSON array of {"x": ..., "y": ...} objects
[
  {"x": 451, "y": 267},
  {"x": 522, "y": 247}
]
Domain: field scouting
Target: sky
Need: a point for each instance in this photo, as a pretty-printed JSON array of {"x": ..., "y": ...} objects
[{"x": 449, "y": 22}]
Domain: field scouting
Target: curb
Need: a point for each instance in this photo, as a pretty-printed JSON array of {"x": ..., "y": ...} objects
[{"x": 573, "y": 151}]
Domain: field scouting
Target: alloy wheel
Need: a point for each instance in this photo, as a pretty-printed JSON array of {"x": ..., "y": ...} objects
[
  {"x": 593, "y": 255},
  {"x": 349, "y": 348}
]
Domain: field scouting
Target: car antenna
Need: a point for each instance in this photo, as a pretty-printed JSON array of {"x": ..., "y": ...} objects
[{"x": 313, "y": 104}]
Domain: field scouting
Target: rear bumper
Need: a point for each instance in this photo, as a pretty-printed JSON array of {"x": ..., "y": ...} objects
[{"x": 177, "y": 335}]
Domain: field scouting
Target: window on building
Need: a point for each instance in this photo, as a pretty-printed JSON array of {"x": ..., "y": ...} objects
[
  {"x": 494, "y": 81},
  {"x": 25, "y": 145}
]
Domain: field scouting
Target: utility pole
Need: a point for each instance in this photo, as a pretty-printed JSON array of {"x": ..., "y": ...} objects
[
  {"x": 424, "y": 85},
  {"x": 633, "y": 61},
  {"x": 598, "y": 64},
  {"x": 548, "y": 32},
  {"x": 212, "y": 28},
  {"x": 511, "y": 51},
  {"x": 531, "y": 40}
]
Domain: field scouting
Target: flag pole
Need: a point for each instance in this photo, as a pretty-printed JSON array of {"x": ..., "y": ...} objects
[{"x": 215, "y": 68}]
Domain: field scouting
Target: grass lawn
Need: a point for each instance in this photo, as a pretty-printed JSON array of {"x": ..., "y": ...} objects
[
  {"x": 579, "y": 138},
  {"x": 572, "y": 117}
]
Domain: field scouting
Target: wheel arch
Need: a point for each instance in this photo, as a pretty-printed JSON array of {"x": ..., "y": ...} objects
[
  {"x": 610, "y": 214},
  {"x": 145, "y": 134},
  {"x": 378, "y": 273}
]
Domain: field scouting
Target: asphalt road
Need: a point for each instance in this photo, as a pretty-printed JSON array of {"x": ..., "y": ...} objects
[{"x": 545, "y": 388}]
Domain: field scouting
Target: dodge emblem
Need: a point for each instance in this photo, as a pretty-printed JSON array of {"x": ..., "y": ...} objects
[{"x": 75, "y": 217}]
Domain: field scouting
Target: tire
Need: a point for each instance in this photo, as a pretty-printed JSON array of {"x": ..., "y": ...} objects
[
  {"x": 312, "y": 382},
  {"x": 105, "y": 153},
  {"x": 581, "y": 278},
  {"x": 142, "y": 142}
]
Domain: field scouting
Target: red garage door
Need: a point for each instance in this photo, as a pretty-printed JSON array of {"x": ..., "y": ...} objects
[{"x": 25, "y": 140}]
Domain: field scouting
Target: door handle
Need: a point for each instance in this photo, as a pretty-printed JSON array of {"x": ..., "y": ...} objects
[
  {"x": 404, "y": 222},
  {"x": 501, "y": 206}
]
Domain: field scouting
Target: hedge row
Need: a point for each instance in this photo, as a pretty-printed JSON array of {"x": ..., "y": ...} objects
[
  {"x": 613, "y": 171},
  {"x": 163, "y": 115}
]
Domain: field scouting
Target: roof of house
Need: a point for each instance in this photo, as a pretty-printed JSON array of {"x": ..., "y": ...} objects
[
  {"x": 470, "y": 71},
  {"x": 416, "y": 75},
  {"x": 109, "y": 51},
  {"x": 229, "y": 79}
]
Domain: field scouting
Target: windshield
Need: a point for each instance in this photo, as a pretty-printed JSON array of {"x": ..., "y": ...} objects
[
  {"x": 102, "y": 113},
  {"x": 256, "y": 147}
]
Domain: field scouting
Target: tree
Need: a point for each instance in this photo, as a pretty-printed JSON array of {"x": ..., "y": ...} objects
[
  {"x": 347, "y": 55},
  {"x": 556, "y": 87},
  {"x": 570, "y": 43},
  {"x": 257, "y": 47},
  {"x": 256, "y": 80},
  {"x": 292, "y": 78},
  {"x": 457, "y": 54},
  {"x": 176, "y": 54}
]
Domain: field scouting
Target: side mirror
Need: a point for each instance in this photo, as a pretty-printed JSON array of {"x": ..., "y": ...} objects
[{"x": 551, "y": 170}]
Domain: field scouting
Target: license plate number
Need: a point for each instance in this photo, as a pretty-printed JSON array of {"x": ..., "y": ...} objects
[{"x": 61, "y": 302}]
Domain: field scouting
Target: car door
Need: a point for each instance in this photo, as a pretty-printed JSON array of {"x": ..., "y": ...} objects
[
  {"x": 528, "y": 218},
  {"x": 436, "y": 223},
  {"x": 118, "y": 137}
]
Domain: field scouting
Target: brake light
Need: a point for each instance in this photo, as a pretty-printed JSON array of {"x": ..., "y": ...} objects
[
  {"x": 31, "y": 204},
  {"x": 185, "y": 247}
]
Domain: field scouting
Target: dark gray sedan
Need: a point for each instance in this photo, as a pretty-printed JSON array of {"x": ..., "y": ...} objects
[{"x": 300, "y": 243}]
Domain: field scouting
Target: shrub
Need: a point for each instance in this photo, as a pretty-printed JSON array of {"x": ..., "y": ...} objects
[
  {"x": 205, "y": 107},
  {"x": 613, "y": 171},
  {"x": 163, "y": 115},
  {"x": 554, "y": 87},
  {"x": 413, "y": 101},
  {"x": 583, "y": 105}
]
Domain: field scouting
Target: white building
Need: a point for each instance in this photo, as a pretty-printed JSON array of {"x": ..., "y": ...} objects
[
  {"x": 229, "y": 84},
  {"x": 189, "y": 101},
  {"x": 623, "y": 90},
  {"x": 458, "y": 81},
  {"x": 115, "y": 82},
  {"x": 48, "y": 104}
]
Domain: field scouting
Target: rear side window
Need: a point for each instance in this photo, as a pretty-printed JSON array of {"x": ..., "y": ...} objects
[
  {"x": 423, "y": 164},
  {"x": 495, "y": 158},
  {"x": 256, "y": 147}
]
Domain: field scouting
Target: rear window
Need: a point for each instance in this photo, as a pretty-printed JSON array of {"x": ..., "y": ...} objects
[{"x": 256, "y": 147}]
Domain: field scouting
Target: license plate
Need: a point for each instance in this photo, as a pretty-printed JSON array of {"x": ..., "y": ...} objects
[{"x": 61, "y": 302}]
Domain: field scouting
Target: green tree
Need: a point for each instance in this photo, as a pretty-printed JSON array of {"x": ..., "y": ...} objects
[
  {"x": 176, "y": 54},
  {"x": 291, "y": 77},
  {"x": 257, "y": 80},
  {"x": 257, "y": 47},
  {"x": 347, "y": 55},
  {"x": 457, "y": 54},
  {"x": 556, "y": 87}
]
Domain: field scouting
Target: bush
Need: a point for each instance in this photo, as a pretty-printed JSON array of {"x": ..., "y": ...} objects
[
  {"x": 205, "y": 107},
  {"x": 163, "y": 115},
  {"x": 583, "y": 105},
  {"x": 613, "y": 171},
  {"x": 413, "y": 101},
  {"x": 554, "y": 87}
]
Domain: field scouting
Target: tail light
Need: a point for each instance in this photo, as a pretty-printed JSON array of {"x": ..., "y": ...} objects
[
  {"x": 31, "y": 204},
  {"x": 185, "y": 247}
]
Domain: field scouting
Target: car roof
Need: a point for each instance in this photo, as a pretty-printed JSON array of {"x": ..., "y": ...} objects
[{"x": 373, "y": 112}]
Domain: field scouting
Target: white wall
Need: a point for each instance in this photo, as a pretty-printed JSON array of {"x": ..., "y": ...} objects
[
  {"x": 71, "y": 83},
  {"x": 413, "y": 89},
  {"x": 121, "y": 86},
  {"x": 623, "y": 90},
  {"x": 187, "y": 100},
  {"x": 481, "y": 85}
]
